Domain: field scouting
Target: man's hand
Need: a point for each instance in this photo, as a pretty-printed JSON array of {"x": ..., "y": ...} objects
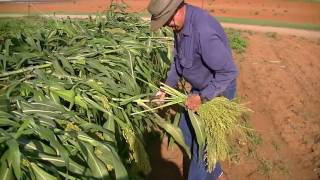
[
  {"x": 193, "y": 102},
  {"x": 160, "y": 95}
]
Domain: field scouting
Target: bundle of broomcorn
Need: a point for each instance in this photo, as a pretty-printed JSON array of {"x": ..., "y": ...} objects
[
  {"x": 215, "y": 123},
  {"x": 221, "y": 119}
]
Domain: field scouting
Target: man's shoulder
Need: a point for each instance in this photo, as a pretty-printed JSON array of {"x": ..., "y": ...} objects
[
  {"x": 202, "y": 21},
  {"x": 198, "y": 13}
]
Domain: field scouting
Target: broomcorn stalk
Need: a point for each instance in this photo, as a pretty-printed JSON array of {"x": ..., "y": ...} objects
[{"x": 214, "y": 123}]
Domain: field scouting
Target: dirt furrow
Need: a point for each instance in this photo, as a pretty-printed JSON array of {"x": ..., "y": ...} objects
[{"x": 276, "y": 80}]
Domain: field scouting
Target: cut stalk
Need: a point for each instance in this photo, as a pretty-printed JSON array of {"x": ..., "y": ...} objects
[{"x": 25, "y": 70}]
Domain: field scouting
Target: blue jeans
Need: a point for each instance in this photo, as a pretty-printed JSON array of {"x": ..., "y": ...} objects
[{"x": 197, "y": 168}]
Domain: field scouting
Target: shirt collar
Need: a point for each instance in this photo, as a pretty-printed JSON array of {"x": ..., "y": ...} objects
[{"x": 187, "y": 22}]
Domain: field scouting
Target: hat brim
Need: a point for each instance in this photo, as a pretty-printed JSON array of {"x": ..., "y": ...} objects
[{"x": 160, "y": 22}]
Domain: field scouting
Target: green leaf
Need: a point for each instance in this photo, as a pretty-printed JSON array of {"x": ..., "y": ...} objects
[
  {"x": 7, "y": 45},
  {"x": 50, "y": 136},
  {"x": 110, "y": 126},
  {"x": 8, "y": 122},
  {"x": 35, "y": 145},
  {"x": 120, "y": 170},
  {"x": 174, "y": 131},
  {"x": 5, "y": 115},
  {"x": 67, "y": 66},
  {"x": 38, "y": 96},
  {"x": 85, "y": 138},
  {"x": 40, "y": 173},
  {"x": 78, "y": 100},
  {"x": 112, "y": 158},
  {"x": 68, "y": 176},
  {"x": 100, "y": 108},
  {"x": 3, "y": 139},
  {"x": 6, "y": 172},
  {"x": 31, "y": 42},
  {"x": 46, "y": 120},
  {"x": 59, "y": 162},
  {"x": 24, "y": 125},
  {"x": 99, "y": 67},
  {"x": 94, "y": 85},
  {"x": 58, "y": 69},
  {"x": 5, "y": 167},
  {"x": 199, "y": 131},
  {"x": 54, "y": 97},
  {"x": 67, "y": 95},
  {"x": 4, "y": 103},
  {"x": 94, "y": 128},
  {"x": 98, "y": 169},
  {"x": 15, "y": 156},
  {"x": 175, "y": 123},
  {"x": 12, "y": 88}
]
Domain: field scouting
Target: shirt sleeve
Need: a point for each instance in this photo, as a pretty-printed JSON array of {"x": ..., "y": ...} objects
[
  {"x": 172, "y": 76},
  {"x": 218, "y": 59}
]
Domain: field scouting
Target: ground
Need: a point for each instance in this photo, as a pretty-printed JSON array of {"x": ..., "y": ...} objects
[{"x": 279, "y": 79}]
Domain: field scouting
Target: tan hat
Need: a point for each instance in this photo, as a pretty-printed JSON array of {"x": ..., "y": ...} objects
[{"x": 161, "y": 11}]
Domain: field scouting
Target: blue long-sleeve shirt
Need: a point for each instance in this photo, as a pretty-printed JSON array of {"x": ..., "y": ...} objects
[{"x": 202, "y": 55}]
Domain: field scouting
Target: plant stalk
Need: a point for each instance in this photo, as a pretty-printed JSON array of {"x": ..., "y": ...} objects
[{"x": 24, "y": 70}]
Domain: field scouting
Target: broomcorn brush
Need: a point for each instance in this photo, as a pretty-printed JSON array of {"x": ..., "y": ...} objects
[{"x": 215, "y": 123}]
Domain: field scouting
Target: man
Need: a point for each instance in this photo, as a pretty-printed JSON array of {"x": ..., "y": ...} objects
[{"x": 202, "y": 57}]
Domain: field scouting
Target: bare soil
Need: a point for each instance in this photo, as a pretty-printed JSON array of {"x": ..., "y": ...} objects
[{"x": 279, "y": 76}]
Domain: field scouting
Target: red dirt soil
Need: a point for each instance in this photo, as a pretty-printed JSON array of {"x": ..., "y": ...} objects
[
  {"x": 280, "y": 10},
  {"x": 280, "y": 77}
]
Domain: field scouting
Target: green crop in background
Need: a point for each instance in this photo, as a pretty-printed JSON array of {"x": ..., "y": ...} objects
[{"x": 58, "y": 82}]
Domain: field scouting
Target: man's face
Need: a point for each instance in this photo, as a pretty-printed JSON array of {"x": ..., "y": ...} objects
[{"x": 177, "y": 20}]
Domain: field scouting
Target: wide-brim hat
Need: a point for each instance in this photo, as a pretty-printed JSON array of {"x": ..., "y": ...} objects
[{"x": 161, "y": 11}]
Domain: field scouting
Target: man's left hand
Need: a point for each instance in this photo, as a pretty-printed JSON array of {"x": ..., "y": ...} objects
[{"x": 193, "y": 102}]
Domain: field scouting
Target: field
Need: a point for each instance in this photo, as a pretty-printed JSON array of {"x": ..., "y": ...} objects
[
  {"x": 279, "y": 78},
  {"x": 281, "y": 82}
]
